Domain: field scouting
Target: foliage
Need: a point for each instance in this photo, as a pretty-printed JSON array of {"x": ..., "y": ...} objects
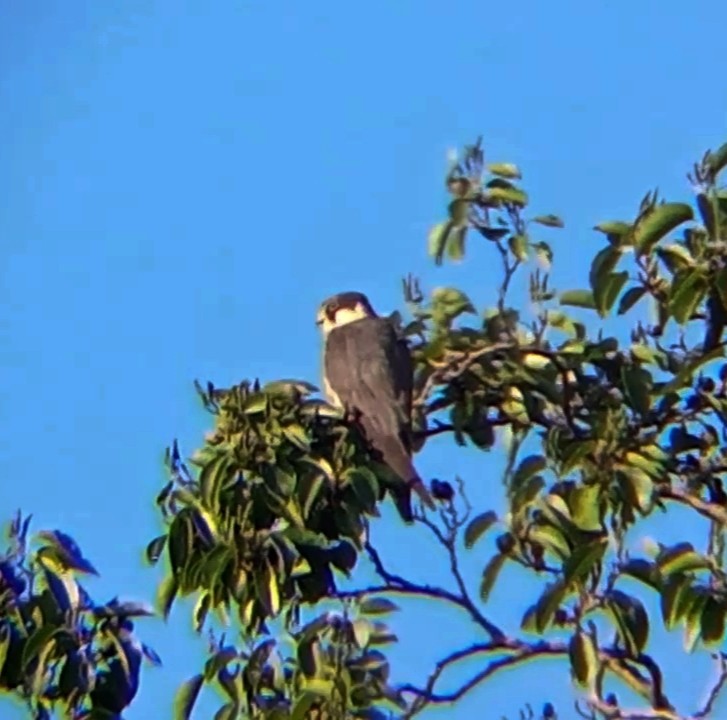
[
  {"x": 601, "y": 432},
  {"x": 59, "y": 651}
]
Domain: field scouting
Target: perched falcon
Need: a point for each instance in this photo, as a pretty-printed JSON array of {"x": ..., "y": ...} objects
[{"x": 367, "y": 370}]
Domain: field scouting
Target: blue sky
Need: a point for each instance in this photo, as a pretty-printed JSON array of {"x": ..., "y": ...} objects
[{"x": 182, "y": 182}]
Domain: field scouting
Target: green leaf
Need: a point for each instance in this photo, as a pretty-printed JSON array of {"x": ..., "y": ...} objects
[
  {"x": 583, "y": 658},
  {"x": 637, "y": 385},
  {"x": 607, "y": 290},
  {"x": 505, "y": 170},
  {"x": 303, "y": 705},
  {"x": 632, "y": 621},
  {"x": 642, "y": 570},
  {"x": 518, "y": 245},
  {"x": 675, "y": 257},
  {"x": 319, "y": 686},
  {"x": 549, "y": 221},
  {"x": 675, "y": 591},
  {"x": 551, "y": 539},
  {"x": 584, "y": 506},
  {"x": 186, "y": 697},
  {"x": 693, "y": 621},
  {"x": 308, "y": 654},
  {"x": 687, "y": 291},
  {"x": 212, "y": 477},
  {"x": 617, "y": 231},
  {"x": 229, "y": 711},
  {"x": 681, "y": 558},
  {"x": 630, "y": 298},
  {"x": 456, "y": 242},
  {"x": 717, "y": 160},
  {"x": 437, "y": 240},
  {"x": 5, "y": 638},
  {"x": 297, "y": 435},
  {"x": 578, "y": 298},
  {"x": 659, "y": 223},
  {"x": 712, "y": 622},
  {"x": 361, "y": 632},
  {"x": 489, "y": 575},
  {"x": 528, "y": 466},
  {"x": 365, "y": 485},
  {"x": 548, "y": 603},
  {"x": 511, "y": 195},
  {"x": 602, "y": 265},
  {"x": 478, "y": 526},
  {"x": 583, "y": 559},
  {"x": 268, "y": 591},
  {"x": 638, "y": 488},
  {"x": 35, "y": 643},
  {"x": 458, "y": 211},
  {"x": 155, "y": 548},
  {"x": 377, "y": 606},
  {"x": 166, "y": 592}
]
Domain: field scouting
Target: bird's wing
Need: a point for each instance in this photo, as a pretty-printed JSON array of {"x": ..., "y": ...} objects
[
  {"x": 369, "y": 369},
  {"x": 364, "y": 366}
]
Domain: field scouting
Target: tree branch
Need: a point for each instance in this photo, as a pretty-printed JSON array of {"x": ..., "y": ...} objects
[
  {"x": 396, "y": 583},
  {"x": 707, "y": 509}
]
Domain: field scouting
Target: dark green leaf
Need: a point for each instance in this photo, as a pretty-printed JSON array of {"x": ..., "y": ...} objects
[
  {"x": 659, "y": 223},
  {"x": 675, "y": 590},
  {"x": 717, "y": 160},
  {"x": 551, "y": 539},
  {"x": 35, "y": 644},
  {"x": 478, "y": 526},
  {"x": 489, "y": 575},
  {"x": 712, "y": 621},
  {"x": 583, "y": 658},
  {"x": 681, "y": 558},
  {"x": 630, "y": 298},
  {"x": 687, "y": 291},
  {"x": 155, "y": 548},
  {"x": 528, "y": 466},
  {"x": 377, "y": 606},
  {"x": 518, "y": 245},
  {"x": 582, "y": 560},
  {"x": 186, "y": 697},
  {"x": 548, "y": 603},
  {"x": 607, "y": 290},
  {"x": 632, "y": 622},
  {"x": 642, "y": 570},
  {"x": 675, "y": 257}
]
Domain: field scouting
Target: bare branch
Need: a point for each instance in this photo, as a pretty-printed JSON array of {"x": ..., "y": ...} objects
[
  {"x": 708, "y": 510},
  {"x": 396, "y": 583},
  {"x": 716, "y": 689}
]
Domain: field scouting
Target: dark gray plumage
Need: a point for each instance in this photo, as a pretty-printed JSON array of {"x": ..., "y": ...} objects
[{"x": 368, "y": 370}]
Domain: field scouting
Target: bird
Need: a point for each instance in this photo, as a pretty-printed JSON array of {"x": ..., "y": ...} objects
[{"x": 368, "y": 373}]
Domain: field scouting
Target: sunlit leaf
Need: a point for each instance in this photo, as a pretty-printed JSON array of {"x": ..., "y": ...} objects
[
  {"x": 659, "y": 223},
  {"x": 583, "y": 658}
]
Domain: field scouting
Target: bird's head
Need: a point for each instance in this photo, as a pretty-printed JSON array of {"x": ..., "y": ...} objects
[{"x": 341, "y": 309}]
